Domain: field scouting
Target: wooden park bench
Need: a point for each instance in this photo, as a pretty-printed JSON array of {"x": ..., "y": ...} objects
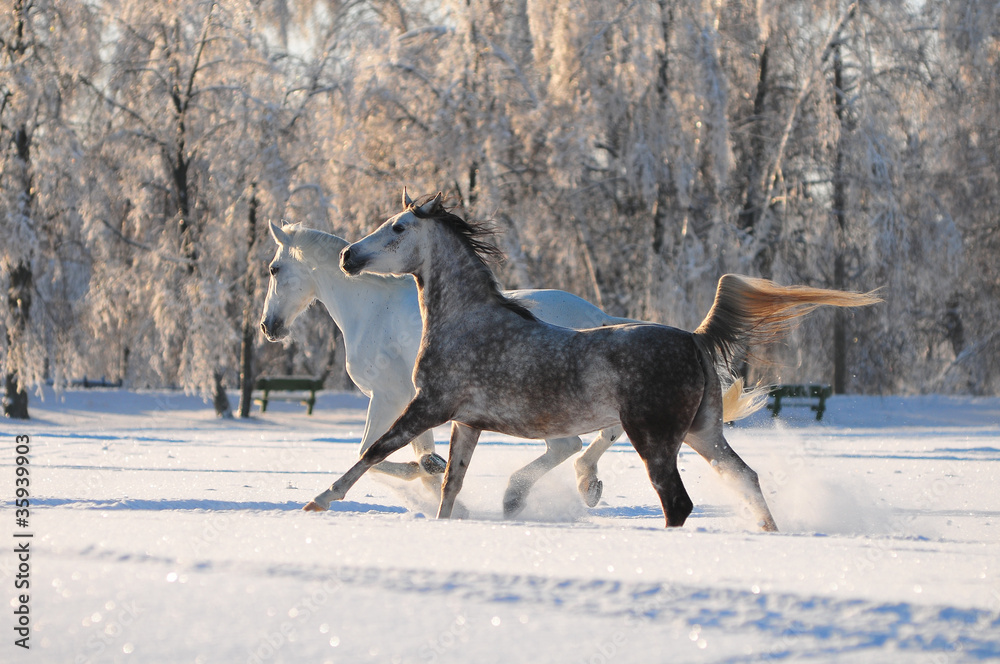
[
  {"x": 296, "y": 384},
  {"x": 798, "y": 393},
  {"x": 89, "y": 382}
]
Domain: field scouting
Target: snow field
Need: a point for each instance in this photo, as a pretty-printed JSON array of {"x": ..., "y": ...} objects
[{"x": 165, "y": 535}]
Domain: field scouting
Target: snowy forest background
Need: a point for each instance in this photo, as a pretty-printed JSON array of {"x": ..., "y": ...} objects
[{"x": 629, "y": 152}]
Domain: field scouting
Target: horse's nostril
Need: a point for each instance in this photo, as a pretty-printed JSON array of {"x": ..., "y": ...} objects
[
  {"x": 263, "y": 327},
  {"x": 345, "y": 256}
]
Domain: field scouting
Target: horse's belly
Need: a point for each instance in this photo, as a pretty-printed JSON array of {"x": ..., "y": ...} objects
[{"x": 540, "y": 420}]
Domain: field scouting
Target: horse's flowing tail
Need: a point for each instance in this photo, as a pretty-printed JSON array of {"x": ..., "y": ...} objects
[
  {"x": 738, "y": 403},
  {"x": 751, "y": 312}
]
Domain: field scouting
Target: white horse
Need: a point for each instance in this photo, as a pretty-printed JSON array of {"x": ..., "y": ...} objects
[{"x": 380, "y": 319}]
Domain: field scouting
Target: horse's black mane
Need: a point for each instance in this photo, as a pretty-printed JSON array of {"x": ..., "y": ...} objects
[{"x": 478, "y": 236}]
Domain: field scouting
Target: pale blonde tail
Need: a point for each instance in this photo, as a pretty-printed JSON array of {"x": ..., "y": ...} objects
[
  {"x": 750, "y": 312},
  {"x": 738, "y": 402}
]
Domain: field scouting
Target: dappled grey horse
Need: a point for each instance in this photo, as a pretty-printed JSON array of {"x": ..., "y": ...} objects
[{"x": 486, "y": 363}]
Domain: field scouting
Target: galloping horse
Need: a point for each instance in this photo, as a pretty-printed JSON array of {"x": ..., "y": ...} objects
[
  {"x": 487, "y": 363},
  {"x": 380, "y": 320}
]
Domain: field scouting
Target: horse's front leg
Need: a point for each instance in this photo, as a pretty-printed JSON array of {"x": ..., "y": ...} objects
[
  {"x": 418, "y": 417},
  {"x": 463, "y": 444}
]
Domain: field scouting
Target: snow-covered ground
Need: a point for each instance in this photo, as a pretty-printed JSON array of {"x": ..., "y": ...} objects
[{"x": 161, "y": 534}]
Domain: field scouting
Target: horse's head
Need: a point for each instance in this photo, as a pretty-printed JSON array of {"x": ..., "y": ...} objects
[
  {"x": 396, "y": 246},
  {"x": 291, "y": 287}
]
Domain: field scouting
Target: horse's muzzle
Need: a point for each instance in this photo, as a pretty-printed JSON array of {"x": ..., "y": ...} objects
[
  {"x": 273, "y": 330},
  {"x": 350, "y": 263}
]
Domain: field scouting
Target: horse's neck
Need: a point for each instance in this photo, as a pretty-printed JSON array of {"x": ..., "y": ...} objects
[
  {"x": 349, "y": 300},
  {"x": 454, "y": 286}
]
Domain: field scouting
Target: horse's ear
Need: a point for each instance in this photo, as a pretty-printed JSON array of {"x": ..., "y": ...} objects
[
  {"x": 407, "y": 201},
  {"x": 431, "y": 205},
  {"x": 279, "y": 235}
]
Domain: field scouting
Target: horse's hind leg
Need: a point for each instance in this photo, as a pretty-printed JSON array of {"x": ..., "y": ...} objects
[
  {"x": 557, "y": 450},
  {"x": 712, "y": 446},
  {"x": 587, "y": 484},
  {"x": 659, "y": 453},
  {"x": 463, "y": 443}
]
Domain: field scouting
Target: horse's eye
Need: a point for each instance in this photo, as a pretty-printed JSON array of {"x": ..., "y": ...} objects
[
  {"x": 274, "y": 270},
  {"x": 398, "y": 228}
]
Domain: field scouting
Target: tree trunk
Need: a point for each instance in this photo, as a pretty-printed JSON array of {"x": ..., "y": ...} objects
[
  {"x": 665, "y": 188},
  {"x": 220, "y": 399},
  {"x": 15, "y": 397},
  {"x": 249, "y": 329},
  {"x": 752, "y": 203},
  {"x": 840, "y": 215},
  {"x": 663, "y": 237}
]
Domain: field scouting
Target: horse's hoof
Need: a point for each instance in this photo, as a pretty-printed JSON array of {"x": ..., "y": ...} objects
[
  {"x": 592, "y": 494},
  {"x": 313, "y": 506},
  {"x": 513, "y": 504},
  {"x": 433, "y": 464}
]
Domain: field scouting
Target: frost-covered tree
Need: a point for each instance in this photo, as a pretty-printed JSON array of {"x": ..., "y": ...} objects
[
  {"x": 157, "y": 98},
  {"x": 44, "y": 267},
  {"x": 964, "y": 193},
  {"x": 629, "y": 152},
  {"x": 636, "y": 152},
  {"x": 187, "y": 155}
]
